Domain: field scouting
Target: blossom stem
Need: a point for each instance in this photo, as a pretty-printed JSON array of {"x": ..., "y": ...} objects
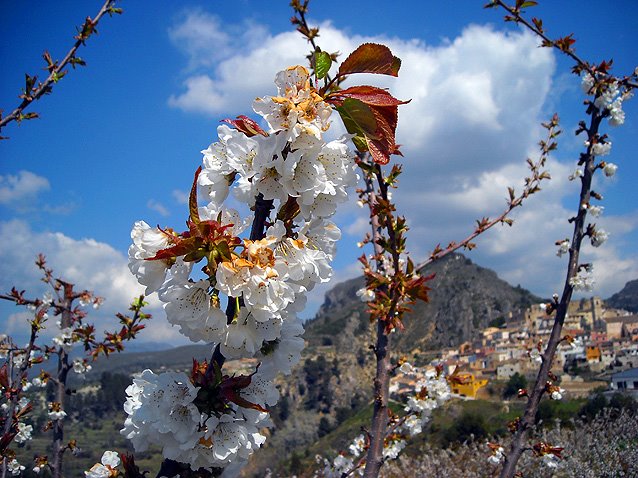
[
  {"x": 13, "y": 401},
  {"x": 527, "y": 422},
  {"x": 374, "y": 458},
  {"x": 532, "y": 186},
  {"x": 262, "y": 211},
  {"x": 60, "y": 384}
]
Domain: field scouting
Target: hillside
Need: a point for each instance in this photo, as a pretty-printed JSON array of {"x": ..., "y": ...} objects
[
  {"x": 626, "y": 299},
  {"x": 464, "y": 299}
]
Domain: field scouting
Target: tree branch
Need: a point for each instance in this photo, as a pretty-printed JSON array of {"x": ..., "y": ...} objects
[
  {"x": 56, "y": 70},
  {"x": 532, "y": 186},
  {"x": 517, "y": 447}
]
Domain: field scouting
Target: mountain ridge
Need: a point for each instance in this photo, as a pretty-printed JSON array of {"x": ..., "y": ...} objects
[
  {"x": 464, "y": 299},
  {"x": 626, "y": 298}
]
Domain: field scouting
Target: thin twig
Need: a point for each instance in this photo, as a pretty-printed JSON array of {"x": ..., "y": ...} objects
[
  {"x": 55, "y": 72},
  {"x": 531, "y": 187}
]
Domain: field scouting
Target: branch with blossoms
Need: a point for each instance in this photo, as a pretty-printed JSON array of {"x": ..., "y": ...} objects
[
  {"x": 249, "y": 290},
  {"x": 60, "y": 301},
  {"x": 431, "y": 390},
  {"x": 607, "y": 94},
  {"x": 15, "y": 408},
  {"x": 34, "y": 90},
  {"x": 392, "y": 283}
]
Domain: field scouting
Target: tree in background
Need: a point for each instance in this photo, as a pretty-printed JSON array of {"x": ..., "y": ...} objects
[{"x": 515, "y": 383}]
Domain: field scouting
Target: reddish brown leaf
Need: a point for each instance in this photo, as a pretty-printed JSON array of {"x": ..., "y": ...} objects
[
  {"x": 181, "y": 248},
  {"x": 371, "y": 58},
  {"x": 192, "y": 200},
  {"x": 369, "y": 95},
  {"x": 246, "y": 125},
  {"x": 231, "y": 387}
]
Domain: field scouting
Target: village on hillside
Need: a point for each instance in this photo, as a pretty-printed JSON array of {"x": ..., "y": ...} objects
[{"x": 600, "y": 350}]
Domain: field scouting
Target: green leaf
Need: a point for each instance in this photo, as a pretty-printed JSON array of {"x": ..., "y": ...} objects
[
  {"x": 323, "y": 62},
  {"x": 359, "y": 120},
  {"x": 371, "y": 58}
]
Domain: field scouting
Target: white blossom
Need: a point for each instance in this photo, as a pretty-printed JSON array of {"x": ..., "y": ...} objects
[
  {"x": 147, "y": 242},
  {"x": 610, "y": 169},
  {"x": 357, "y": 446},
  {"x": 24, "y": 433},
  {"x": 190, "y": 306},
  {"x": 578, "y": 173},
  {"x": 557, "y": 394},
  {"x": 550, "y": 460},
  {"x": 55, "y": 412},
  {"x": 583, "y": 280},
  {"x": 595, "y": 211},
  {"x": 587, "y": 83},
  {"x": 616, "y": 113},
  {"x": 598, "y": 237},
  {"x": 81, "y": 366},
  {"x": 599, "y": 149},
  {"x": 392, "y": 450},
  {"x": 365, "y": 294},
  {"x": 563, "y": 248},
  {"x": 14, "y": 467},
  {"x": 64, "y": 339},
  {"x": 497, "y": 456},
  {"x": 607, "y": 96},
  {"x": 107, "y": 468}
]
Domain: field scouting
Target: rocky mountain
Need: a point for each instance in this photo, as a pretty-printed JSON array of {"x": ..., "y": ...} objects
[
  {"x": 626, "y": 299},
  {"x": 464, "y": 299}
]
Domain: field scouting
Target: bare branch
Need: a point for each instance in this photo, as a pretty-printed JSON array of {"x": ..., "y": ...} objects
[{"x": 56, "y": 70}]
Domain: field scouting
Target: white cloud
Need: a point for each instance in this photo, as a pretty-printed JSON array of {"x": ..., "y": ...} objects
[
  {"x": 87, "y": 263},
  {"x": 157, "y": 207},
  {"x": 22, "y": 188},
  {"x": 201, "y": 37},
  {"x": 180, "y": 197},
  {"x": 476, "y": 105}
]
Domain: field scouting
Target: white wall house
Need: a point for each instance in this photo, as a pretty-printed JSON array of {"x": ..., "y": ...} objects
[{"x": 626, "y": 381}]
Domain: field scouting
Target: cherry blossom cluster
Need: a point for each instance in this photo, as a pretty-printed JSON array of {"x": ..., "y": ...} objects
[
  {"x": 245, "y": 299},
  {"x": 609, "y": 98},
  {"x": 430, "y": 390},
  {"x": 163, "y": 409}
]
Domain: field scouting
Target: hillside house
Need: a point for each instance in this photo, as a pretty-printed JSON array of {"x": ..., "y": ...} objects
[
  {"x": 469, "y": 387},
  {"x": 626, "y": 381},
  {"x": 506, "y": 369},
  {"x": 620, "y": 327}
]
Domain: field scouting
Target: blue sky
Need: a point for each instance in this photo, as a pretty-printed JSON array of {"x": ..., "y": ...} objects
[{"x": 119, "y": 140}]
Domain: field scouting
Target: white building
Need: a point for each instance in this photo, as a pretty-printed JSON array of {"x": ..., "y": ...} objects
[{"x": 626, "y": 381}]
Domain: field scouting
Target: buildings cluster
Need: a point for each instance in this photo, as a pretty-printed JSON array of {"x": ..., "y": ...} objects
[{"x": 603, "y": 342}]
